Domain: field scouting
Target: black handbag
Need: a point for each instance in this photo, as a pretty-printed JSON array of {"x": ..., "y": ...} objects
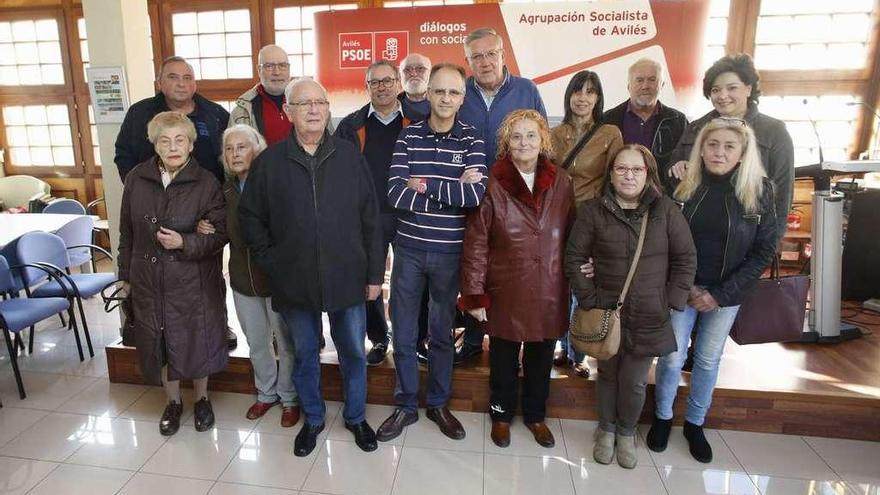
[{"x": 772, "y": 310}]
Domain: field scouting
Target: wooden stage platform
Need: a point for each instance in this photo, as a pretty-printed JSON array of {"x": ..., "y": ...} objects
[{"x": 804, "y": 389}]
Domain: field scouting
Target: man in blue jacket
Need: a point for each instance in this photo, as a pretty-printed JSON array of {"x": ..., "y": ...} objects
[{"x": 492, "y": 93}]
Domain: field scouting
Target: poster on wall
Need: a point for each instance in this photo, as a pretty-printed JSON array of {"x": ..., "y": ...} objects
[
  {"x": 109, "y": 94},
  {"x": 545, "y": 42}
]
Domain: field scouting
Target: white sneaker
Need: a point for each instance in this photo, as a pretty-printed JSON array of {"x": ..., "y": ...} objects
[
  {"x": 603, "y": 448},
  {"x": 626, "y": 451}
]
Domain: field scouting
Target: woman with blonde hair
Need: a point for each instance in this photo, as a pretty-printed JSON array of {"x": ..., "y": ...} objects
[
  {"x": 511, "y": 271},
  {"x": 729, "y": 205},
  {"x": 171, "y": 271},
  {"x": 608, "y": 230}
]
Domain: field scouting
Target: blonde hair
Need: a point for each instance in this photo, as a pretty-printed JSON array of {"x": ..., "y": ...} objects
[
  {"x": 258, "y": 143},
  {"x": 165, "y": 120},
  {"x": 747, "y": 182},
  {"x": 515, "y": 116}
]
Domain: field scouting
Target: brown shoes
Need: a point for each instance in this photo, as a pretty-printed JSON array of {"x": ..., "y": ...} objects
[
  {"x": 257, "y": 410},
  {"x": 542, "y": 434},
  {"x": 449, "y": 426},
  {"x": 289, "y": 416},
  {"x": 501, "y": 433}
]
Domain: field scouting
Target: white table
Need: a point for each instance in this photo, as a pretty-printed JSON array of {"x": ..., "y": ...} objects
[{"x": 14, "y": 225}]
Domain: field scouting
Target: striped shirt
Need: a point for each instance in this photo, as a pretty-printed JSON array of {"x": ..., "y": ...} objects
[{"x": 434, "y": 221}]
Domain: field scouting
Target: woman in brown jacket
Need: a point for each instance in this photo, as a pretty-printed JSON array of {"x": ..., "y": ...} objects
[
  {"x": 584, "y": 102},
  {"x": 607, "y": 230},
  {"x": 511, "y": 270},
  {"x": 171, "y": 272}
]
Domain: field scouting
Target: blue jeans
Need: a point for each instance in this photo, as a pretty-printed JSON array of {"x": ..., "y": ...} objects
[
  {"x": 712, "y": 330},
  {"x": 413, "y": 271},
  {"x": 377, "y": 327},
  {"x": 347, "y": 330},
  {"x": 565, "y": 341}
]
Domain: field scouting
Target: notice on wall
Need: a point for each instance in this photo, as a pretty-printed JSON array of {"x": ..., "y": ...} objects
[
  {"x": 545, "y": 42},
  {"x": 109, "y": 94}
]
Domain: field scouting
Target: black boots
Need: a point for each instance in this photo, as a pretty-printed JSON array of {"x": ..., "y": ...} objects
[
  {"x": 658, "y": 435},
  {"x": 699, "y": 446}
]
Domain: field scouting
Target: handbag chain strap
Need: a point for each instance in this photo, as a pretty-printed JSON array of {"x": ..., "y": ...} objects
[{"x": 635, "y": 262}]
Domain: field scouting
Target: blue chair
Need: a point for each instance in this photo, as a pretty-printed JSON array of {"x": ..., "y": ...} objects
[
  {"x": 18, "y": 313},
  {"x": 78, "y": 232},
  {"x": 67, "y": 206},
  {"x": 48, "y": 251}
]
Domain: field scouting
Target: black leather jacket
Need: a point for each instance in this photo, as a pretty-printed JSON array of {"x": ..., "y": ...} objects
[
  {"x": 751, "y": 242},
  {"x": 670, "y": 125}
]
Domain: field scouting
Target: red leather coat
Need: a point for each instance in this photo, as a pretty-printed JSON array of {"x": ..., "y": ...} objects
[{"x": 514, "y": 249}]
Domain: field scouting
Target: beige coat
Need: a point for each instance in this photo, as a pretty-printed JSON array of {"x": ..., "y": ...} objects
[{"x": 588, "y": 169}]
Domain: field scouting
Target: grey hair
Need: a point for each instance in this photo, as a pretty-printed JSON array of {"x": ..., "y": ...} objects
[
  {"x": 172, "y": 59},
  {"x": 480, "y": 33},
  {"x": 256, "y": 139},
  {"x": 291, "y": 86},
  {"x": 380, "y": 63},
  {"x": 267, "y": 48},
  {"x": 646, "y": 61}
]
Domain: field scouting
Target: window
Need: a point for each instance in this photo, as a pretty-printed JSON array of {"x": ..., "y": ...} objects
[
  {"x": 295, "y": 32},
  {"x": 425, "y": 3},
  {"x": 39, "y": 135},
  {"x": 217, "y": 43},
  {"x": 716, "y": 32},
  {"x": 83, "y": 45},
  {"x": 96, "y": 150},
  {"x": 30, "y": 53},
  {"x": 835, "y": 118},
  {"x": 795, "y": 35}
]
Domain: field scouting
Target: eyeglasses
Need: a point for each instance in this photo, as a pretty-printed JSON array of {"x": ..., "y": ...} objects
[
  {"x": 272, "y": 66},
  {"x": 491, "y": 55},
  {"x": 636, "y": 171},
  {"x": 415, "y": 69},
  {"x": 729, "y": 121},
  {"x": 308, "y": 104},
  {"x": 388, "y": 82},
  {"x": 452, "y": 93}
]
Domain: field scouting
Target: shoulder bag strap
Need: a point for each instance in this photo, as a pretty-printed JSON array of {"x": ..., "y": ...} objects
[
  {"x": 635, "y": 262},
  {"x": 579, "y": 146}
]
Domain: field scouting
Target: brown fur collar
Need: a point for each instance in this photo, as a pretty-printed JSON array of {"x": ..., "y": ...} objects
[{"x": 509, "y": 178}]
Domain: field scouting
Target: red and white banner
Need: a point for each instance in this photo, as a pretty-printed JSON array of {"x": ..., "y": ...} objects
[{"x": 545, "y": 42}]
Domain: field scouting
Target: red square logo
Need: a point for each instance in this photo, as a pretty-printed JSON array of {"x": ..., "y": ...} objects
[
  {"x": 355, "y": 50},
  {"x": 392, "y": 46}
]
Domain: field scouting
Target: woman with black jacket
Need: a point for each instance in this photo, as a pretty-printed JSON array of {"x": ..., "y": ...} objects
[{"x": 729, "y": 205}]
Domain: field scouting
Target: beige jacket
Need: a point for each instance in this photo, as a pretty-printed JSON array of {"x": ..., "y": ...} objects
[{"x": 588, "y": 169}]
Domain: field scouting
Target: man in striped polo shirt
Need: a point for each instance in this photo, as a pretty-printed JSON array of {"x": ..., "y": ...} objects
[{"x": 438, "y": 171}]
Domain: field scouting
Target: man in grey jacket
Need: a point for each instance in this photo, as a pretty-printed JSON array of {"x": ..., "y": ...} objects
[{"x": 261, "y": 107}]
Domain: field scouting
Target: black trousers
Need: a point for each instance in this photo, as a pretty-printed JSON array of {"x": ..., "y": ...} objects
[{"x": 504, "y": 378}]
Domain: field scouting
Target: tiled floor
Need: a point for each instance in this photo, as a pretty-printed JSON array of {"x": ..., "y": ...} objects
[{"x": 76, "y": 433}]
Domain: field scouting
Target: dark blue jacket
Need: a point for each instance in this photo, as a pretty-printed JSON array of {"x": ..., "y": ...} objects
[
  {"x": 132, "y": 146},
  {"x": 516, "y": 93}
]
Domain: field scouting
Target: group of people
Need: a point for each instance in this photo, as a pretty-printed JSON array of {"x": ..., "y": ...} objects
[{"x": 492, "y": 216}]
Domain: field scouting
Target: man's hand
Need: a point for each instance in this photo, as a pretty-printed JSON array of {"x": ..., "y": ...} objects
[
  {"x": 169, "y": 239},
  {"x": 702, "y": 300},
  {"x": 471, "y": 176},
  {"x": 205, "y": 227},
  {"x": 678, "y": 170},
  {"x": 417, "y": 184},
  {"x": 479, "y": 314},
  {"x": 588, "y": 269},
  {"x": 373, "y": 292}
]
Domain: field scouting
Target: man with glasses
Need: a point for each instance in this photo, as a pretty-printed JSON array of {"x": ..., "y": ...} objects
[
  {"x": 374, "y": 129},
  {"x": 414, "y": 72},
  {"x": 492, "y": 93},
  {"x": 437, "y": 174},
  {"x": 261, "y": 107},
  {"x": 310, "y": 216}
]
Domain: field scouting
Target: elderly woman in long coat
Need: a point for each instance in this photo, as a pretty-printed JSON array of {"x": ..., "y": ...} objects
[
  {"x": 171, "y": 272},
  {"x": 511, "y": 271}
]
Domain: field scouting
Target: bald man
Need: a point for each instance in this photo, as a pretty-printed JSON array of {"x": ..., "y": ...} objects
[
  {"x": 310, "y": 217},
  {"x": 261, "y": 107},
  {"x": 414, "y": 72}
]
